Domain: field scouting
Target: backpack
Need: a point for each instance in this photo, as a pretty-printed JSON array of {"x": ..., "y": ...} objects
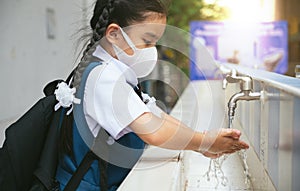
[
  {"x": 29, "y": 156},
  {"x": 115, "y": 158},
  {"x": 25, "y": 141}
]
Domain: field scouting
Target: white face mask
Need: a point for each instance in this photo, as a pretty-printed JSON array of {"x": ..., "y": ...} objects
[{"x": 142, "y": 61}]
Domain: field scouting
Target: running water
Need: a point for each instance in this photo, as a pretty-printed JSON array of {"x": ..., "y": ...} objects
[
  {"x": 215, "y": 171},
  {"x": 243, "y": 155},
  {"x": 215, "y": 167},
  {"x": 230, "y": 118}
]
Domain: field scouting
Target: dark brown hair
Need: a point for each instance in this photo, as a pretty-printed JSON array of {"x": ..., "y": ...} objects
[{"x": 121, "y": 12}]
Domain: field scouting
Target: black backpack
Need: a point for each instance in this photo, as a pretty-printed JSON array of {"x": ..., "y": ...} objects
[
  {"x": 25, "y": 141},
  {"x": 29, "y": 155}
]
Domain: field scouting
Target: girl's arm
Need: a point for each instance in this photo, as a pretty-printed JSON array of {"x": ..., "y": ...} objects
[{"x": 168, "y": 132}]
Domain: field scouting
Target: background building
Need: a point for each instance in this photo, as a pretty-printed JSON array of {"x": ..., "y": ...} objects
[
  {"x": 289, "y": 10},
  {"x": 38, "y": 44}
]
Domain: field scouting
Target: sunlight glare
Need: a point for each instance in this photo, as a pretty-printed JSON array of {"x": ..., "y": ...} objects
[{"x": 249, "y": 10}]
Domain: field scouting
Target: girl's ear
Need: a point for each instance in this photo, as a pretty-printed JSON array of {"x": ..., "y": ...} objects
[{"x": 113, "y": 33}]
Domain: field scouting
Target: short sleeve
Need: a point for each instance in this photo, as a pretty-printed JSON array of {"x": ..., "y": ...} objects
[{"x": 110, "y": 102}]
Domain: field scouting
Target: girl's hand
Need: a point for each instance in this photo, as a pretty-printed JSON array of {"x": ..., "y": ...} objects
[
  {"x": 211, "y": 155},
  {"x": 222, "y": 141}
]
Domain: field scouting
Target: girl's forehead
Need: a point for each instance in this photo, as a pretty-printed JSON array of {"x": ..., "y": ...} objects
[
  {"x": 153, "y": 28},
  {"x": 152, "y": 20}
]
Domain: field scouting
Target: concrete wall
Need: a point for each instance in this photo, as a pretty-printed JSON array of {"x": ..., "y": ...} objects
[{"x": 38, "y": 43}]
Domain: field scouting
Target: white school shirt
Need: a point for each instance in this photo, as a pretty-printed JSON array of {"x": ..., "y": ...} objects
[{"x": 109, "y": 99}]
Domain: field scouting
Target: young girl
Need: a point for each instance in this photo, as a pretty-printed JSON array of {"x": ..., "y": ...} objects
[{"x": 124, "y": 36}]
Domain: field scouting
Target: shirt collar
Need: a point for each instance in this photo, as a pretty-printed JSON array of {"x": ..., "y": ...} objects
[{"x": 128, "y": 73}]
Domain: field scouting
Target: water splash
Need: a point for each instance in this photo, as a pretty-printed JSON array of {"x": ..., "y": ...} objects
[
  {"x": 215, "y": 167},
  {"x": 215, "y": 170},
  {"x": 243, "y": 155}
]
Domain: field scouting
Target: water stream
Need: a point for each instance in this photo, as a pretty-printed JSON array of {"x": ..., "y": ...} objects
[
  {"x": 215, "y": 167},
  {"x": 215, "y": 171}
]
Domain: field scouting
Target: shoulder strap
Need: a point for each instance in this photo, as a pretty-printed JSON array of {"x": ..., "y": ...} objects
[
  {"x": 81, "y": 171},
  {"x": 90, "y": 156},
  {"x": 78, "y": 113}
]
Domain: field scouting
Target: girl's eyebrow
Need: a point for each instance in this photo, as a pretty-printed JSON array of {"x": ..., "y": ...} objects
[{"x": 151, "y": 35}]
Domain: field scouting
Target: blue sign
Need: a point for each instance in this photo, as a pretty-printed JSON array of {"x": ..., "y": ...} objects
[{"x": 257, "y": 45}]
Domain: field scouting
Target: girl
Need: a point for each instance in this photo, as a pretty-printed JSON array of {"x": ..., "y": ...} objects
[{"x": 124, "y": 36}]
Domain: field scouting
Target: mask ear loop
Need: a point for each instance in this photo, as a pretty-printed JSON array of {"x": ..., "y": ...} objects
[{"x": 127, "y": 39}]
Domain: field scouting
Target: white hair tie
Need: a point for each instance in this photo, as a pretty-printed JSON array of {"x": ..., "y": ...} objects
[{"x": 65, "y": 97}]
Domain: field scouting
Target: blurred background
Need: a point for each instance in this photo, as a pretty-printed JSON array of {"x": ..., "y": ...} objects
[{"x": 261, "y": 34}]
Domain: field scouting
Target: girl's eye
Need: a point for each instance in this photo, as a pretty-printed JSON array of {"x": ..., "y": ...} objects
[{"x": 148, "y": 42}]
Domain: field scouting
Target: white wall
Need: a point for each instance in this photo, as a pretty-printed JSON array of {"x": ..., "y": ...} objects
[{"x": 28, "y": 57}]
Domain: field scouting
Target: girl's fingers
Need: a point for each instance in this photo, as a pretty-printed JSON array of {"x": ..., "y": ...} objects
[
  {"x": 212, "y": 155},
  {"x": 233, "y": 133},
  {"x": 238, "y": 145}
]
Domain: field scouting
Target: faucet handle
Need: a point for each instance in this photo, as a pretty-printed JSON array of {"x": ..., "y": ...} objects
[
  {"x": 233, "y": 79},
  {"x": 229, "y": 79},
  {"x": 224, "y": 69},
  {"x": 245, "y": 81},
  {"x": 229, "y": 73}
]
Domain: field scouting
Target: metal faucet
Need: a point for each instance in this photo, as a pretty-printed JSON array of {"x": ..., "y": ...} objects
[{"x": 246, "y": 93}]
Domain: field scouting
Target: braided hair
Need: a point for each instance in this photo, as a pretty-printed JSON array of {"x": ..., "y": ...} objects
[
  {"x": 121, "y": 12},
  {"x": 106, "y": 12},
  {"x": 98, "y": 32}
]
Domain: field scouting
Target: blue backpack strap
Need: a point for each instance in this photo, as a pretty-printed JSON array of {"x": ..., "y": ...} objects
[
  {"x": 100, "y": 145},
  {"x": 85, "y": 132},
  {"x": 78, "y": 113},
  {"x": 118, "y": 156}
]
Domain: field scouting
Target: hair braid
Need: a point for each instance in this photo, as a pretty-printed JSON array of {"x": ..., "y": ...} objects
[
  {"x": 104, "y": 19},
  {"x": 121, "y": 12},
  {"x": 97, "y": 34}
]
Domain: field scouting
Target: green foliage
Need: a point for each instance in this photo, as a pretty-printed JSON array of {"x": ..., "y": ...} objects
[{"x": 181, "y": 13}]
